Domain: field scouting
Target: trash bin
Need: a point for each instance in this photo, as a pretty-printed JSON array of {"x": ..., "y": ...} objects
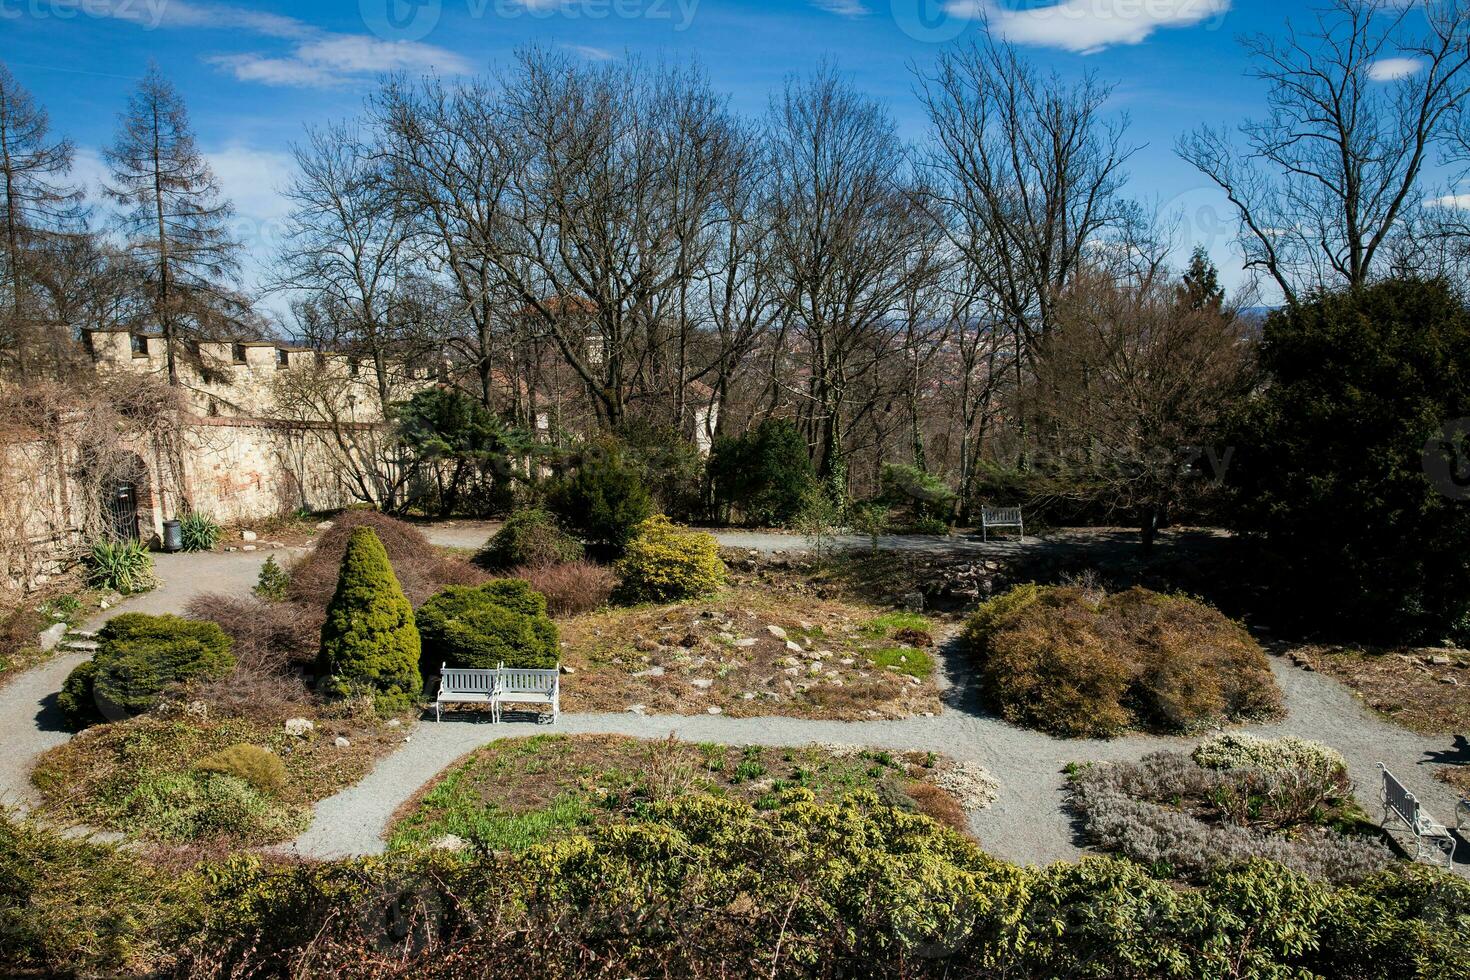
[{"x": 173, "y": 536}]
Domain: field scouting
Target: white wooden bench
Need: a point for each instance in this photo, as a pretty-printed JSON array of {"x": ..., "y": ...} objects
[
  {"x": 1432, "y": 842},
  {"x": 497, "y": 686},
  {"x": 1000, "y": 517}
]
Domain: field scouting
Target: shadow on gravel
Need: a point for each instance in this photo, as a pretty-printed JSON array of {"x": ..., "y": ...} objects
[
  {"x": 1457, "y": 756},
  {"x": 963, "y": 692},
  {"x": 51, "y": 718}
]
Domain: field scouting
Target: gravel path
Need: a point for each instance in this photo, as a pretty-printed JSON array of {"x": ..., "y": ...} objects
[
  {"x": 1028, "y": 823},
  {"x": 30, "y": 722}
]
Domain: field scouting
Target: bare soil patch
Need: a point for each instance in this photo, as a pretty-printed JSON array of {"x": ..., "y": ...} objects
[{"x": 1425, "y": 690}]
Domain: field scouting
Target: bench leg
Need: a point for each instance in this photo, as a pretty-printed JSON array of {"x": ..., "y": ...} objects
[{"x": 438, "y": 711}]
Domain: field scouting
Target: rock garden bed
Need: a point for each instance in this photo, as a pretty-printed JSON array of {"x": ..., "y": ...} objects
[
  {"x": 170, "y": 777},
  {"x": 516, "y": 792},
  {"x": 748, "y": 652},
  {"x": 1235, "y": 798}
]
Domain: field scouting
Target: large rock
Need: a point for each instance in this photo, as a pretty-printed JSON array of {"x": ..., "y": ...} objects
[
  {"x": 51, "y": 636},
  {"x": 299, "y": 726}
]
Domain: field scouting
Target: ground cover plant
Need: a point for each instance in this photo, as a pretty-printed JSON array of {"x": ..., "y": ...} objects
[
  {"x": 194, "y": 772},
  {"x": 748, "y": 651},
  {"x": 1233, "y": 799},
  {"x": 1079, "y": 662},
  {"x": 700, "y": 886},
  {"x": 516, "y": 792}
]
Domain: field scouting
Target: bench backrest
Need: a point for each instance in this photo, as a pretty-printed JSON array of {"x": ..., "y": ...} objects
[
  {"x": 462, "y": 680},
  {"x": 1400, "y": 800},
  {"x": 997, "y": 516},
  {"x": 528, "y": 681}
]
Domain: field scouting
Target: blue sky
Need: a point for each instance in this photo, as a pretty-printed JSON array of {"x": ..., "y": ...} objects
[{"x": 254, "y": 74}]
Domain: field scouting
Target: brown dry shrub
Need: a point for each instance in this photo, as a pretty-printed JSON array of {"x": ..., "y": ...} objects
[
  {"x": 19, "y": 628},
  {"x": 421, "y": 569},
  {"x": 271, "y": 638},
  {"x": 937, "y": 803},
  {"x": 571, "y": 587},
  {"x": 1080, "y": 663}
]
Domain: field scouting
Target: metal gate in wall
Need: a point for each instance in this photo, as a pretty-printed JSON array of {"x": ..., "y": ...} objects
[{"x": 123, "y": 505}]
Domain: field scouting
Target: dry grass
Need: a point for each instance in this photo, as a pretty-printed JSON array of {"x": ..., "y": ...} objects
[
  {"x": 1456, "y": 776},
  {"x": 1405, "y": 686},
  {"x": 516, "y": 792},
  {"x": 571, "y": 587},
  {"x": 686, "y": 658},
  {"x": 269, "y": 637}
]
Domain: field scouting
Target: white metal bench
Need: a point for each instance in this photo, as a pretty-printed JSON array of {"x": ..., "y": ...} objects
[
  {"x": 1432, "y": 842},
  {"x": 497, "y": 686},
  {"x": 991, "y": 517}
]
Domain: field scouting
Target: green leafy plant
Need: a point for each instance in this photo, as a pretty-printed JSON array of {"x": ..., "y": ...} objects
[
  {"x": 666, "y": 563},
  {"x": 764, "y": 474},
  {"x": 818, "y": 520},
  {"x": 529, "y": 537},
  {"x": 121, "y": 566},
  {"x": 924, "y": 500},
  {"x": 369, "y": 641},
  {"x": 483, "y": 626},
  {"x": 199, "y": 531},
  {"x": 138, "y": 657},
  {"x": 272, "y": 582},
  {"x": 872, "y": 520}
]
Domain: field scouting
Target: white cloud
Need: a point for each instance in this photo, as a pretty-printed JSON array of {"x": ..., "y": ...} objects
[
  {"x": 252, "y": 179},
  {"x": 843, "y": 8},
  {"x": 1393, "y": 69},
  {"x": 317, "y": 57},
  {"x": 1460, "y": 202},
  {"x": 1087, "y": 26},
  {"x": 591, "y": 53}
]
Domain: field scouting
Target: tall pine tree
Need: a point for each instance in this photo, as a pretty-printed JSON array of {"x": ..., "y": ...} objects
[
  {"x": 174, "y": 218},
  {"x": 35, "y": 202}
]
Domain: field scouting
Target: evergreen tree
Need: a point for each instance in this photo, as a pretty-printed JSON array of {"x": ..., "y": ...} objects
[
  {"x": 1200, "y": 287},
  {"x": 370, "y": 640},
  {"x": 173, "y": 217},
  {"x": 34, "y": 203}
]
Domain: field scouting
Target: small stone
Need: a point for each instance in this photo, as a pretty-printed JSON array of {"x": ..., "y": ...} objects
[
  {"x": 341, "y": 742},
  {"x": 248, "y": 536},
  {"x": 928, "y": 714},
  {"x": 654, "y": 671},
  {"x": 703, "y": 683},
  {"x": 793, "y": 646},
  {"x": 791, "y": 671},
  {"x": 776, "y": 631},
  {"x": 635, "y": 709},
  {"x": 748, "y": 696},
  {"x": 450, "y": 842},
  {"x": 299, "y": 726},
  {"x": 714, "y": 709},
  {"x": 394, "y": 723},
  {"x": 566, "y": 670},
  {"x": 1440, "y": 660},
  {"x": 247, "y": 547},
  {"x": 747, "y": 641},
  {"x": 325, "y": 526},
  {"x": 847, "y": 661},
  {"x": 1447, "y": 679}
]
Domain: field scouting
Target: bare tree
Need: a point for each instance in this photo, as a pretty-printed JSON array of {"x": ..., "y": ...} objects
[
  {"x": 174, "y": 218},
  {"x": 1324, "y": 182},
  {"x": 846, "y": 223},
  {"x": 35, "y": 204},
  {"x": 345, "y": 252},
  {"x": 1024, "y": 172}
]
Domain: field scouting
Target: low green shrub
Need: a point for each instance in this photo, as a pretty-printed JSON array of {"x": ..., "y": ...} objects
[
  {"x": 122, "y": 566},
  {"x": 272, "y": 582},
  {"x": 205, "y": 807},
  {"x": 369, "y": 641},
  {"x": 667, "y": 563},
  {"x": 503, "y": 621},
  {"x": 1082, "y": 663},
  {"x": 923, "y": 498},
  {"x": 261, "y": 768},
  {"x": 138, "y": 657},
  {"x": 199, "y": 531},
  {"x": 529, "y": 537}
]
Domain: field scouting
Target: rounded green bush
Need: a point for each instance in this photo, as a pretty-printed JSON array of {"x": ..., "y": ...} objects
[
  {"x": 369, "y": 641},
  {"x": 138, "y": 657},
  {"x": 259, "y": 767},
  {"x": 529, "y": 537},
  {"x": 605, "y": 500},
  {"x": 666, "y": 563},
  {"x": 500, "y": 622}
]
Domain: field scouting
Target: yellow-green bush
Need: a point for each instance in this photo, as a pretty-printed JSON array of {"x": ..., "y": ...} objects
[
  {"x": 665, "y": 562},
  {"x": 1081, "y": 663},
  {"x": 259, "y": 767}
]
